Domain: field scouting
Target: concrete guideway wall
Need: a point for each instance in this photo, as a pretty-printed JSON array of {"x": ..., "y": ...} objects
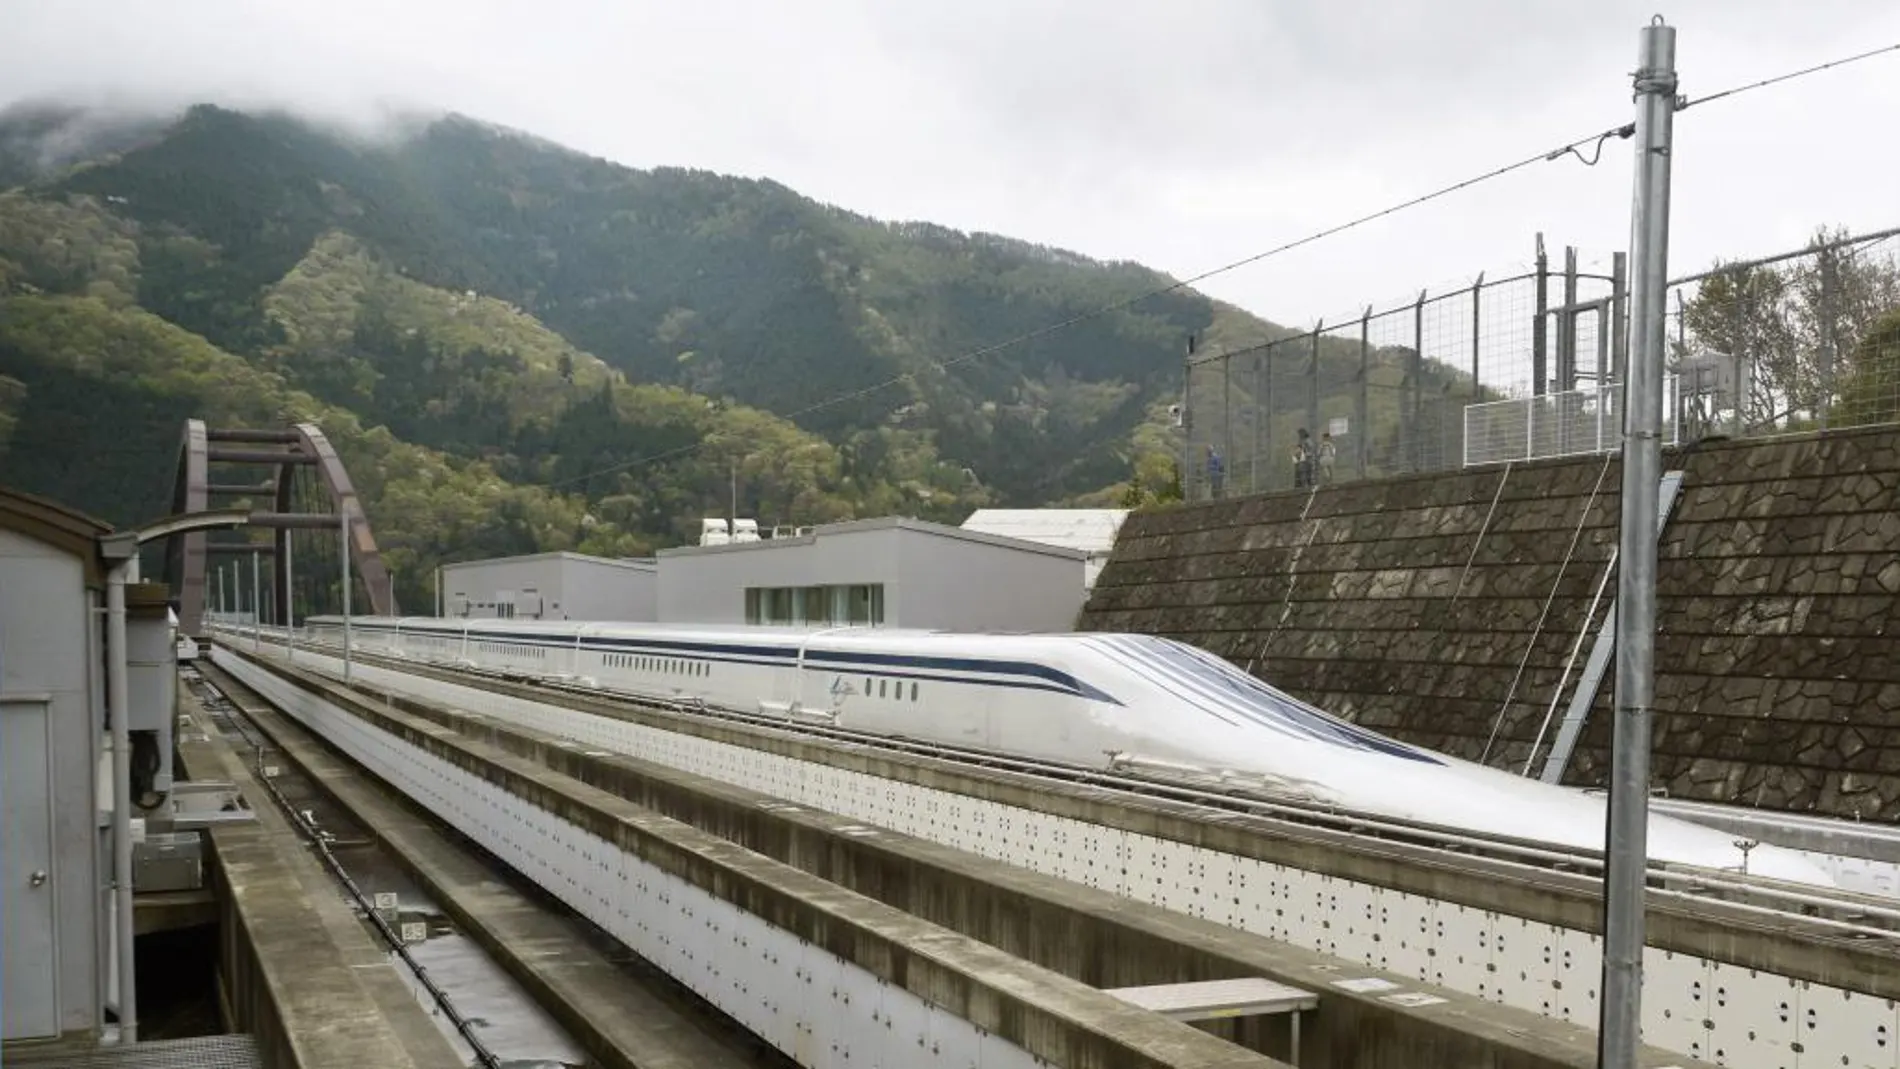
[
  {"x": 293, "y": 958},
  {"x": 1366, "y": 1018},
  {"x": 825, "y": 975},
  {"x": 1441, "y": 608},
  {"x": 1719, "y": 986}
]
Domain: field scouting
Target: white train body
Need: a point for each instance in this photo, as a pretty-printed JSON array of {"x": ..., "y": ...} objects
[{"x": 1135, "y": 702}]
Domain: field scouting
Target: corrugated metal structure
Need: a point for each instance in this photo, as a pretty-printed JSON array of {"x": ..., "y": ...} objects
[{"x": 890, "y": 572}]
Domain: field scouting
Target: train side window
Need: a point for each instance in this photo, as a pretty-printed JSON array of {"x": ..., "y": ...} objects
[
  {"x": 913, "y": 690},
  {"x": 880, "y": 686},
  {"x": 867, "y": 686}
]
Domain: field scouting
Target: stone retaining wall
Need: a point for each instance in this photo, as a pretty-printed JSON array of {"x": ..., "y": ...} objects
[{"x": 1444, "y": 609}]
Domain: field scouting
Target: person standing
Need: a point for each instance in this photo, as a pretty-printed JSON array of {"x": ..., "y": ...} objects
[
  {"x": 1303, "y": 461},
  {"x": 1216, "y": 474},
  {"x": 1328, "y": 453}
]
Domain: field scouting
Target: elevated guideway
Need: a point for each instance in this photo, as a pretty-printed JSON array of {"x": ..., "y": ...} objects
[{"x": 1458, "y": 936}]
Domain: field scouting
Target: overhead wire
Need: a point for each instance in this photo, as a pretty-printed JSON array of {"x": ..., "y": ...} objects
[
  {"x": 1738, "y": 90},
  {"x": 1595, "y": 140}
]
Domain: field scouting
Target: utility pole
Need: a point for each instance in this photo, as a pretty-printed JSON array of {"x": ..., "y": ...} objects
[{"x": 1627, "y": 848}]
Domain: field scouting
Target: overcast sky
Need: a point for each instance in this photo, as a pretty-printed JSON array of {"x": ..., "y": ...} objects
[{"x": 1183, "y": 134}]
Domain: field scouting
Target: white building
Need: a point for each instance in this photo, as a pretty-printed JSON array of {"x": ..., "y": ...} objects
[
  {"x": 58, "y": 926},
  {"x": 550, "y": 586},
  {"x": 1092, "y": 531},
  {"x": 890, "y": 572}
]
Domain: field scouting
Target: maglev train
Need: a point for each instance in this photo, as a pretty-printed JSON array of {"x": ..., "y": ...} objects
[{"x": 1135, "y": 703}]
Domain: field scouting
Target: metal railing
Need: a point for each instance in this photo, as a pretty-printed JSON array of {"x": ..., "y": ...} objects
[
  {"x": 1572, "y": 423},
  {"x": 1522, "y": 365}
]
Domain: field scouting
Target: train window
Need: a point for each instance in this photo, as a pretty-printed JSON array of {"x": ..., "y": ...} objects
[
  {"x": 913, "y": 690},
  {"x": 880, "y": 686},
  {"x": 867, "y": 686}
]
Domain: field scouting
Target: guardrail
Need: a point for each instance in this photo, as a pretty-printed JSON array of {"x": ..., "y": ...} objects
[{"x": 1572, "y": 423}]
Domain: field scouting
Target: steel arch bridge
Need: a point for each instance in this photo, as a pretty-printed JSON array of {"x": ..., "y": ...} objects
[{"x": 281, "y": 454}]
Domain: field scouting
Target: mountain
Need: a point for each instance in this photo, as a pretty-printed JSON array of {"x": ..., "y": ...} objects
[{"x": 601, "y": 346}]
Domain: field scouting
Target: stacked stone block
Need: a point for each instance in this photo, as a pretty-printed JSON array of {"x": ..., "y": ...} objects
[{"x": 1447, "y": 610}]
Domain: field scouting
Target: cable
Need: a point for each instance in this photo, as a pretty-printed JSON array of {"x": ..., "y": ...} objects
[
  {"x": 1790, "y": 76},
  {"x": 1559, "y": 152}
]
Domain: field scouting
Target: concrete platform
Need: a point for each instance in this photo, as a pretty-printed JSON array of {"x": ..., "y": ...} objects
[
  {"x": 300, "y": 972},
  {"x": 622, "y": 1022}
]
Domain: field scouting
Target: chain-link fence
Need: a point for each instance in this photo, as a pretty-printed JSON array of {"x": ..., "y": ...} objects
[
  {"x": 1803, "y": 341},
  {"x": 1531, "y": 365}
]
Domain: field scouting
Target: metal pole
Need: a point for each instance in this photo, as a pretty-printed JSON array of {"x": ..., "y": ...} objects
[
  {"x": 1360, "y": 401},
  {"x": 1259, "y": 422},
  {"x": 119, "y": 707},
  {"x": 257, "y": 605},
  {"x": 1415, "y": 383},
  {"x": 1620, "y": 1035},
  {"x": 1539, "y": 345},
  {"x": 344, "y": 508},
  {"x": 1226, "y": 416},
  {"x": 1619, "y": 318},
  {"x": 290, "y": 605},
  {"x": 1187, "y": 422},
  {"x": 1312, "y": 388}
]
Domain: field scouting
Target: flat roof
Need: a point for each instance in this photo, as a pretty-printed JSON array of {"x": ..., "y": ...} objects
[
  {"x": 905, "y": 524},
  {"x": 644, "y": 564},
  {"x": 1089, "y": 530}
]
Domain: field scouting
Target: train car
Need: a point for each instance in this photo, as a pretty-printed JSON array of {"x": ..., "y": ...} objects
[{"x": 1137, "y": 703}]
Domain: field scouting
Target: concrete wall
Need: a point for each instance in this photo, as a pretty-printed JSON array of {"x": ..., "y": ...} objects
[
  {"x": 1443, "y": 608},
  {"x": 572, "y": 587},
  {"x": 961, "y": 585},
  {"x": 47, "y": 698}
]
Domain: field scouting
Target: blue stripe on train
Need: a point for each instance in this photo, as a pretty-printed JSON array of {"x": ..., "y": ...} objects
[{"x": 1030, "y": 675}]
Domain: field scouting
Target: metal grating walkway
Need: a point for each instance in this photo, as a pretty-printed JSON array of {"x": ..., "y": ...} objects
[{"x": 204, "y": 1052}]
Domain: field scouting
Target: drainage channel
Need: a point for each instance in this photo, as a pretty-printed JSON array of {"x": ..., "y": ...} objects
[{"x": 485, "y": 1014}]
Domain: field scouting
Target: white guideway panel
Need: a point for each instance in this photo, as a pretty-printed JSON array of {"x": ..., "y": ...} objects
[
  {"x": 819, "y": 1009},
  {"x": 1708, "y": 1010}
]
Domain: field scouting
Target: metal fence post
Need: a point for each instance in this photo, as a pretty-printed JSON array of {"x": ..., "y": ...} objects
[
  {"x": 1824, "y": 399},
  {"x": 1226, "y": 415},
  {"x": 1744, "y": 370},
  {"x": 1619, "y": 318},
  {"x": 1187, "y": 422},
  {"x": 1312, "y": 389},
  {"x": 1267, "y": 405},
  {"x": 1359, "y": 408},
  {"x": 1539, "y": 326},
  {"x": 1259, "y": 419},
  {"x": 1567, "y": 331},
  {"x": 1620, "y": 1034},
  {"x": 1415, "y": 384}
]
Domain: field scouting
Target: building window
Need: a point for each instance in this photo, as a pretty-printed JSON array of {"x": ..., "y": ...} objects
[{"x": 858, "y": 604}]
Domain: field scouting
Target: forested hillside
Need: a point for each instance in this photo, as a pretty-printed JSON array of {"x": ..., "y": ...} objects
[{"x": 484, "y": 316}]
